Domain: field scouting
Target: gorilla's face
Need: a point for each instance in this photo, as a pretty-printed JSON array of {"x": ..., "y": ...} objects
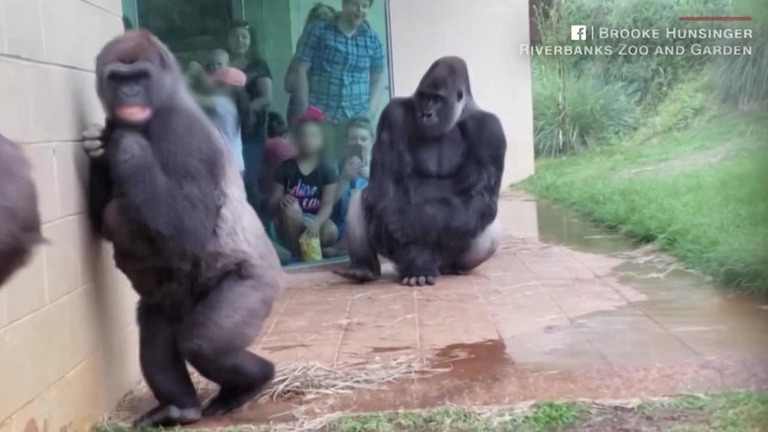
[
  {"x": 437, "y": 110},
  {"x": 441, "y": 96},
  {"x": 135, "y": 76}
]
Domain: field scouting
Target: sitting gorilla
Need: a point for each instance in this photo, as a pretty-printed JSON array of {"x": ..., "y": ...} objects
[
  {"x": 19, "y": 215},
  {"x": 431, "y": 202},
  {"x": 165, "y": 192}
]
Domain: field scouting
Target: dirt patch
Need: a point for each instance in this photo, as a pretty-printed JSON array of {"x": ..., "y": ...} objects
[
  {"x": 634, "y": 419},
  {"x": 673, "y": 166}
]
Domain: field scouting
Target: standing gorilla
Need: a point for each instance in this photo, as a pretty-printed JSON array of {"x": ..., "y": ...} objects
[
  {"x": 167, "y": 195},
  {"x": 431, "y": 202},
  {"x": 19, "y": 216}
]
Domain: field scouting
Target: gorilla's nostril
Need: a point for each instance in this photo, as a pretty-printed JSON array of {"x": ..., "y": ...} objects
[{"x": 130, "y": 90}]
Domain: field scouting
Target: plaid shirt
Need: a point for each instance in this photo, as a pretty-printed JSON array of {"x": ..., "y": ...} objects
[{"x": 340, "y": 67}]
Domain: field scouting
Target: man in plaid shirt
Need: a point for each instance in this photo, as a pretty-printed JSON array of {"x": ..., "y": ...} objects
[{"x": 340, "y": 65}]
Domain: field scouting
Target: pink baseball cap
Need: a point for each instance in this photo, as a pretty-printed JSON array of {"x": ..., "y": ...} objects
[
  {"x": 312, "y": 114},
  {"x": 229, "y": 75}
]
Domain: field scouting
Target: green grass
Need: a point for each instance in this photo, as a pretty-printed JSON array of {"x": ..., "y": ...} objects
[
  {"x": 727, "y": 412},
  {"x": 540, "y": 417},
  {"x": 698, "y": 192}
]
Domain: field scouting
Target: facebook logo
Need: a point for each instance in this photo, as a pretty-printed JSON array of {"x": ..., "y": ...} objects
[{"x": 578, "y": 32}]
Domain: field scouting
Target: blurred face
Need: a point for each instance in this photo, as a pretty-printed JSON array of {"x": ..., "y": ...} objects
[
  {"x": 239, "y": 41},
  {"x": 359, "y": 138},
  {"x": 355, "y": 10},
  {"x": 309, "y": 139},
  {"x": 219, "y": 59}
]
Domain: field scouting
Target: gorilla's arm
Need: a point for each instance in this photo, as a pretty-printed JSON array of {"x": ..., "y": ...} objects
[
  {"x": 99, "y": 185},
  {"x": 19, "y": 215},
  {"x": 468, "y": 203},
  {"x": 183, "y": 212},
  {"x": 389, "y": 163},
  {"x": 478, "y": 184}
]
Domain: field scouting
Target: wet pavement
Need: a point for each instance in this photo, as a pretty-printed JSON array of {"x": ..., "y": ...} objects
[{"x": 564, "y": 310}]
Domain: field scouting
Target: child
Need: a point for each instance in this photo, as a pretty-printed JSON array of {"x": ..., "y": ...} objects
[
  {"x": 218, "y": 59},
  {"x": 220, "y": 94},
  {"x": 304, "y": 190},
  {"x": 276, "y": 151},
  {"x": 229, "y": 83},
  {"x": 355, "y": 170}
]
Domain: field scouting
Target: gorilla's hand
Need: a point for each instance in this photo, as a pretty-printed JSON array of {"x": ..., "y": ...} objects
[
  {"x": 397, "y": 225},
  {"x": 92, "y": 140}
]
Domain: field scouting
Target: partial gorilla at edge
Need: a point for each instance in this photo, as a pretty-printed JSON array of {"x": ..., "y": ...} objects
[
  {"x": 165, "y": 192},
  {"x": 431, "y": 202},
  {"x": 19, "y": 215}
]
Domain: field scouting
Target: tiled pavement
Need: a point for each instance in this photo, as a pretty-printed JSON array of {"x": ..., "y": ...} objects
[{"x": 564, "y": 310}]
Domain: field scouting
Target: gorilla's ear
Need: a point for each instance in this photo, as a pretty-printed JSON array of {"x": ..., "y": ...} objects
[{"x": 460, "y": 95}]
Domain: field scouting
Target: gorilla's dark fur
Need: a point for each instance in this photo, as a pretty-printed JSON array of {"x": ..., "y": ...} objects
[
  {"x": 19, "y": 215},
  {"x": 431, "y": 202},
  {"x": 164, "y": 190}
]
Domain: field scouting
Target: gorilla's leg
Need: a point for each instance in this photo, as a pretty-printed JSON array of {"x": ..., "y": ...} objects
[
  {"x": 364, "y": 263},
  {"x": 482, "y": 248},
  {"x": 165, "y": 373},
  {"x": 215, "y": 338}
]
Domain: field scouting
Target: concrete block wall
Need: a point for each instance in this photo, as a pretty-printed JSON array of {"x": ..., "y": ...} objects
[{"x": 68, "y": 340}]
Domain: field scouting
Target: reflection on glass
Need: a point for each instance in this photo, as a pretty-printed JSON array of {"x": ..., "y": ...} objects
[{"x": 304, "y": 147}]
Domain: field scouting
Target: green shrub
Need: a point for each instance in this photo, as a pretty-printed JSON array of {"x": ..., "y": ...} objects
[
  {"x": 690, "y": 101},
  {"x": 577, "y": 111},
  {"x": 648, "y": 77},
  {"x": 743, "y": 81}
]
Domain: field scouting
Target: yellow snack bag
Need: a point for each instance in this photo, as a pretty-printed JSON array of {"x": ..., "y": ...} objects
[{"x": 310, "y": 248}]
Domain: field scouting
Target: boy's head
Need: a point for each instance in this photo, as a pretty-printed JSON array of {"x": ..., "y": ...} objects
[
  {"x": 276, "y": 125},
  {"x": 309, "y": 132},
  {"x": 360, "y": 135},
  {"x": 217, "y": 59},
  {"x": 319, "y": 11}
]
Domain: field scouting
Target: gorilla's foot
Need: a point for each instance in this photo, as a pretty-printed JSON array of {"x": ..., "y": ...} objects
[
  {"x": 452, "y": 271},
  {"x": 167, "y": 416},
  {"x": 418, "y": 280},
  {"x": 230, "y": 399},
  {"x": 358, "y": 274}
]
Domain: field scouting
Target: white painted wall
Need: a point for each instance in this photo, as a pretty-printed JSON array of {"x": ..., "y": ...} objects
[{"x": 487, "y": 34}]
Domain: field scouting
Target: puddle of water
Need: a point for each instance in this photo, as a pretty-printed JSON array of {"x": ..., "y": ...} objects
[
  {"x": 558, "y": 225},
  {"x": 680, "y": 317},
  {"x": 475, "y": 362}
]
